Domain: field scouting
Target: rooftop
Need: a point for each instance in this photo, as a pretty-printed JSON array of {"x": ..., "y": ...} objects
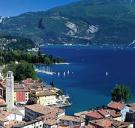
[
  {"x": 72, "y": 118},
  {"x": 94, "y": 114},
  {"x": 116, "y": 105},
  {"x": 11, "y": 124},
  {"x": 22, "y": 124},
  {"x": 109, "y": 112},
  {"x": 20, "y": 87},
  {"x": 3, "y": 115},
  {"x": 45, "y": 93},
  {"x": 45, "y": 110},
  {"x": 50, "y": 122},
  {"x": 103, "y": 123},
  {"x": 27, "y": 81},
  {"x": 108, "y": 123},
  {"x": 118, "y": 124}
]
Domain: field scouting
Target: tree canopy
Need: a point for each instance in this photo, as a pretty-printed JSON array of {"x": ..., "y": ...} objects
[
  {"x": 22, "y": 70},
  {"x": 121, "y": 93},
  {"x": 7, "y": 56}
]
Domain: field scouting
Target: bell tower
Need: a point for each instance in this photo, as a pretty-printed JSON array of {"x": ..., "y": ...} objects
[{"x": 10, "y": 90}]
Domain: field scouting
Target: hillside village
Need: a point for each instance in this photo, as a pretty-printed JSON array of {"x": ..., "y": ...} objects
[{"x": 48, "y": 111}]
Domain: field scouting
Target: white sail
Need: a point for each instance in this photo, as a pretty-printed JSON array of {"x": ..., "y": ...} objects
[
  {"x": 68, "y": 72},
  {"x": 58, "y": 73},
  {"x": 106, "y": 73}
]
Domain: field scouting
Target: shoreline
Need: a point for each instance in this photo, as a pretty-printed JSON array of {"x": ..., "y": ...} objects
[
  {"x": 66, "y": 63},
  {"x": 103, "y": 46}
]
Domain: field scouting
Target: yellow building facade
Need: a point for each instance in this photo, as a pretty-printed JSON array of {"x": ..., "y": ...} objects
[{"x": 46, "y": 97}]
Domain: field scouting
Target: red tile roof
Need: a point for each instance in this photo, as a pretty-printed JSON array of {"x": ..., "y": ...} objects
[
  {"x": 109, "y": 112},
  {"x": 104, "y": 112},
  {"x": 27, "y": 81},
  {"x": 94, "y": 114},
  {"x": 116, "y": 105},
  {"x": 102, "y": 123}
]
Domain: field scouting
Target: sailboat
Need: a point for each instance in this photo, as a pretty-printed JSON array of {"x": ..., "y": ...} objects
[
  {"x": 48, "y": 71},
  {"x": 68, "y": 72},
  {"x": 64, "y": 74},
  {"x": 106, "y": 74},
  {"x": 58, "y": 73}
]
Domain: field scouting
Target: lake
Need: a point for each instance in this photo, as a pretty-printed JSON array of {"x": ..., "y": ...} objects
[{"x": 91, "y": 74}]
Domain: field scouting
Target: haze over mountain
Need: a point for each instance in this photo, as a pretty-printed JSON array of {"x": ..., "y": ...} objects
[{"x": 87, "y": 21}]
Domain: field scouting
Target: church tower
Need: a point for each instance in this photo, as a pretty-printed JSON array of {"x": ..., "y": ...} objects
[{"x": 10, "y": 90}]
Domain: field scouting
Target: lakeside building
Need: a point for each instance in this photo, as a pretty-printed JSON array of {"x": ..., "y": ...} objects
[
  {"x": 118, "y": 106},
  {"x": 47, "y": 97},
  {"x": 40, "y": 116},
  {"x": 102, "y": 113},
  {"x": 34, "y": 111},
  {"x": 108, "y": 123},
  {"x": 71, "y": 121},
  {"x": 21, "y": 94}
]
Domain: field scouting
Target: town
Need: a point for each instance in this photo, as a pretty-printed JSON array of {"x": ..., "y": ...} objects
[{"x": 32, "y": 104}]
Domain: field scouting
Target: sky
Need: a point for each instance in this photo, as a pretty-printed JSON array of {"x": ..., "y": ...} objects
[{"x": 16, "y": 7}]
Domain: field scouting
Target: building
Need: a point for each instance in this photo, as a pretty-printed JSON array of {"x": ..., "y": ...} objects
[
  {"x": 93, "y": 115},
  {"x": 40, "y": 122},
  {"x": 37, "y": 123},
  {"x": 46, "y": 97},
  {"x": 109, "y": 123},
  {"x": 101, "y": 123},
  {"x": 3, "y": 105},
  {"x": 102, "y": 113},
  {"x": 33, "y": 84},
  {"x": 130, "y": 116},
  {"x": 118, "y": 106},
  {"x": 34, "y": 111},
  {"x": 21, "y": 93},
  {"x": 10, "y": 90},
  {"x": 50, "y": 123},
  {"x": 8, "y": 118},
  {"x": 71, "y": 121}
]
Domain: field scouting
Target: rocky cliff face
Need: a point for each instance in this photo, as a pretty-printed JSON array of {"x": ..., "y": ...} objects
[{"x": 100, "y": 22}]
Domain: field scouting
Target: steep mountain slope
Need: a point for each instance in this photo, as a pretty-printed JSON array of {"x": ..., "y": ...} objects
[
  {"x": 15, "y": 43},
  {"x": 86, "y": 21}
]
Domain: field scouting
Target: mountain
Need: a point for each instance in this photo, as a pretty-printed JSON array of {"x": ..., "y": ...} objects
[
  {"x": 97, "y": 22},
  {"x": 15, "y": 43}
]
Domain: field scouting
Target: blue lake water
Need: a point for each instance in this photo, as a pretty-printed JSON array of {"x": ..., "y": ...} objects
[{"x": 87, "y": 82}]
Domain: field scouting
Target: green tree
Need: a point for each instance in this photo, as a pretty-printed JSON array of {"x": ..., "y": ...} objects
[
  {"x": 21, "y": 71},
  {"x": 121, "y": 93}
]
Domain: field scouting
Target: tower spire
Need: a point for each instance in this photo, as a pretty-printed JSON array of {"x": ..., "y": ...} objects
[{"x": 10, "y": 91}]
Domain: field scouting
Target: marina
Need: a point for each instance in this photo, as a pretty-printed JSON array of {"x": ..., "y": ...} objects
[{"x": 48, "y": 71}]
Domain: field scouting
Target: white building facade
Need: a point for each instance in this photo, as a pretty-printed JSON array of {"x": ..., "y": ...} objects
[{"x": 10, "y": 90}]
